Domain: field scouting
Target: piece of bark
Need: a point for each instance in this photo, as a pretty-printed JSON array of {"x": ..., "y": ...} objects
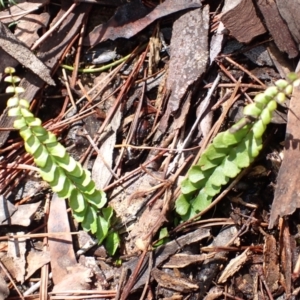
[
  {"x": 242, "y": 21},
  {"x": 49, "y": 53},
  {"x": 271, "y": 264},
  {"x": 277, "y": 27},
  {"x": 168, "y": 281},
  {"x": 234, "y": 265},
  {"x": 10, "y": 44},
  {"x": 286, "y": 198},
  {"x": 291, "y": 14},
  {"x": 189, "y": 54},
  {"x": 163, "y": 252}
]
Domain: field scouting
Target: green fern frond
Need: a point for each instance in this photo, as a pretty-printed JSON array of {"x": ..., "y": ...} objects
[{"x": 231, "y": 151}]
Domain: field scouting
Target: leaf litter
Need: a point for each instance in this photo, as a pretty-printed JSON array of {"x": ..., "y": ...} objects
[{"x": 134, "y": 138}]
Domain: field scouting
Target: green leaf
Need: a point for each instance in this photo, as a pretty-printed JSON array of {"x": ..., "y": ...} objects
[
  {"x": 50, "y": 139},
  {"x": 15, "y": 112},
  {"x": 188, "y": 187},
  {"x": 201, "y": 202},
  {"x": 77, "y": 201},
  {"x": 90, "y": 221},
  {"x": 80, "y": 216},
  {"x": 40, "y": 132},
  {"x": 182, "y": 204},
  {"x": 253, "y": 109},
  {"x": 61, "y": 183},
  {"x": 58, "y": 150},
  {"x": 49, "y": 170},
  {"x": 31, "y": 144},
  {"x": 206, "y": 164},
  {"x": 20, "y": 123},
  {"x": 26, "y": 113},
  {"x": 212, "y": 152},
  {"x": 25, "y": 133},
  {"x": 40, "y": 156},
  {"x": 211, "y": 189},
  {"x": 112, "y": 242},
  {"x": 230, "y": 169},
  {"x": 98, "y": 198},
  {"x": 103, "y": 227},
  {"x": 13, "y": 101},
  {"x": 259, "y": 128},
  {"x": 34, "y": 122},
  {"x": 218, "y": 178}
]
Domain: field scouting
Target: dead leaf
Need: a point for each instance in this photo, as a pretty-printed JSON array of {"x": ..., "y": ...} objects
[
  {"x": 133, "y": 17},
  {"x": 4, "y": 291},
  {"x": 16, "y": 12},
  {"x": 242, "y": 21},
  {"x": 22, "y": 215},
  {"x": 286, "y": 198},
  {"x": 15, "y": 260},
  {"x": 27, "y": 28},
  {"x": 61, "y": 247},
  {"x": 35, "y": 260},
  {"x": 77, "y": 278}
]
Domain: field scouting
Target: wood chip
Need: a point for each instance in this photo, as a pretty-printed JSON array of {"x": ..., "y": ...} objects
[
  {"x": 243, "y": 22},
  {"x": 234, "y": 265},
  {"x": 170, "y": 282},
  {"x": 189, "y": 54}
]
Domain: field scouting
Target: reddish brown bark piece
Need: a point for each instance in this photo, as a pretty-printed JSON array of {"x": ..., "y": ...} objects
[
  {"x": 277, "y": 27},
  {"x": 287, "y": 192},
  {"x": 189, "y": 56},
  {"x": 133, "y": 17},
  {"x": 291, "y": 14},
  {"x": 271, "y": 265},
  {"x": 61, "y": 247},
  {"x": 243, "y": 22}
]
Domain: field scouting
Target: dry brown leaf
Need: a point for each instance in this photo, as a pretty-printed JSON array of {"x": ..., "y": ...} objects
[
  {"x": 27, "y": 28},
  {"x": 18, "y": 11},
  {"x": 133, "y": 17},
  {"x": 15, "y": 261},
  {"x": 35, "y": 260},
  {"x": 10, "y": 215},
  {"x": 78, "y": 278}
]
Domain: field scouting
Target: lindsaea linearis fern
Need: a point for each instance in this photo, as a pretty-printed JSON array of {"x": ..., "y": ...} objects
[
  {"x": 65, "y": 176},
  {"x": 231, "y": 151}
]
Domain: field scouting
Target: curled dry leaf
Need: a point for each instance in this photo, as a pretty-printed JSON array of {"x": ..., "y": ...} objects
[{"x": 133, "y": 17}]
